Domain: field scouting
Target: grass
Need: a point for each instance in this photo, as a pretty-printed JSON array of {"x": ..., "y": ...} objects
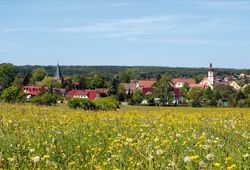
[{"x": 33, "y": 137}]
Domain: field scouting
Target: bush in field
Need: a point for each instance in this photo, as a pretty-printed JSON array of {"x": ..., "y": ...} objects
[
  {"x": 82, "y": 103},
  {"x": 45, "y": 99},
  {"x": 108, "y": 103},
  {"x": 12, "y": 94}
]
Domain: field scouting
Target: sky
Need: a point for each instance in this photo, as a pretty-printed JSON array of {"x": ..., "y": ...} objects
[{"x": 175, "y": 33}]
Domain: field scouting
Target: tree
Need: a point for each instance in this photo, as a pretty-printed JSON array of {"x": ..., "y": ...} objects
[
  {"x": 50, "y": 82},
  {"x": 38, "y": 74},
  {"x": 163, "y": 89},
  {"x": 96, "y": 81},
  {"x": 184, "y": 90},
  {"x": 137, "y": 97},
  {"x": 18, "y": 82},
  {"x": 246, "y": 90},
  {"x": 7, "y": 75},
  {"x": 12, "y": 94},
  {"x": 121, "y": 93},
  {"x": 124, "y": 77},
  {"x": 195, "y": 97}
]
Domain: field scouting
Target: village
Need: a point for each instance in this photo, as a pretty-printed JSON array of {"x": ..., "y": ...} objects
[{"x": 147, "y": 88}]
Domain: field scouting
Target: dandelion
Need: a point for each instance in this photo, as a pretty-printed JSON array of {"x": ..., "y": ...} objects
[
  {"x": 193, "y": 158},
  {"x": 232, "y": 167},
  {"x": 71, "y": 163},
  {"x": 187, "y": 159},
  {"x": 202, "y": 164},
  {"x": 36, "y": 159},
  {"x": 32, "y": 150},
  {"x": 229, "y": 158},
  {"x": 159, "y": 152},
  {"x": 216, "y": 164},
  {"x": 210, "y": 157},
  {"x": 205, "y": 147}
]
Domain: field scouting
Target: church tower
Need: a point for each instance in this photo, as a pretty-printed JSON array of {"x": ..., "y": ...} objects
[
  {"x": 58, "y": 74},
  {"x": 210, "y": 76}
]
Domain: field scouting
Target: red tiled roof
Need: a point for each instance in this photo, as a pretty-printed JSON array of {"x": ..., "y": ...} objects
[
  {"x": 146, "y": 83},
  {"x": 92, "y": 94},
  {"x": 72, "y": 93},
  {"x": 183, "y": 80},
  {"x": 198, "y": 85},
  {"x": 32, "y": 90}
]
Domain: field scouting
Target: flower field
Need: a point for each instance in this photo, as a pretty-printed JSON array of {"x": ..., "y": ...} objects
[{"x": 33, "y": 137}]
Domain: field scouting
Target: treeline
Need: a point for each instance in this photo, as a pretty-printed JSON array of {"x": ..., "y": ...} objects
[{"x": 138, "y": 72}]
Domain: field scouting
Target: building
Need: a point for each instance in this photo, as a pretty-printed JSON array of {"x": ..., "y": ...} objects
[
  {"x": 89, "y": 94},
  {"x": 146, "y": 86},
  {"x": 235, "y": 85},
  {"x": 32, "y": 90},
  {"x": 58, "y": 74},
  {"x": 211, "y": 76},
  {"x": 179, "y": 82}
]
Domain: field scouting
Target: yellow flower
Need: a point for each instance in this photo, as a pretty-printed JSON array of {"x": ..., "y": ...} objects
[
  {"x": 216, "y": 164},
  {"x": 229, "y": 158},
  {"x": 195, "y": 157},
  {"x": 232, "y": 167},
  {"x": 71, "y": 163}
]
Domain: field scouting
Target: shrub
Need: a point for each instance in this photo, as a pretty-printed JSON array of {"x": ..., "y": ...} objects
[
  {"x": 45, "y": 99},
  {"x": 108, "y": 103},
  {"x": 82, "y": 103},
  {"x": 12, "y": 94}
]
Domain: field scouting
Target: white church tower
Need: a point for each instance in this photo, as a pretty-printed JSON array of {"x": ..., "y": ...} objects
[{"x": 210, "y": 76}]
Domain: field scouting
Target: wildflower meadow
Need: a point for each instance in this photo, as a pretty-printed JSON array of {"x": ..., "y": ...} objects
[{"x": 57, "y": 137}]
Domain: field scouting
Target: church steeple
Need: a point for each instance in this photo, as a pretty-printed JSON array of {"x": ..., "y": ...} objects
[
  {"x": 58, "y": 73},
  {"x": 211, "y": 76}
]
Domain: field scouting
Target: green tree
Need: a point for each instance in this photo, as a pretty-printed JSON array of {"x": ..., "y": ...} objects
[
  {"x": 184, "y": 90},
  {"x": 195, "y": 97},
  {"x": 163, "y": 89},
  {"x": 96, "y": 81},
  {"x": 18, "y": 82},
  {"x": 7, "y": 75},
  {"x": 12, "y": 94},
  {"x": 246, "y": 90},
  {"x": 124, "y": 77},
  {"x": 137, "y": 97},
  {"x": 50, "y": 82},
  {"x": 121, "y": 93},
  {"x": 38, "y": 74}
]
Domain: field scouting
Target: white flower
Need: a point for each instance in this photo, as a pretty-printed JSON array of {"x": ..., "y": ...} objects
[
  {"x": 210, "y": 157},
  {"x": 36, "y": 159},
  {"x": 205, "y": 147},
  {"x": 246, "y": 155},
  {"x": 32, "y": 150},
  {"x": 159, "y": 152},
  {"x": 178, "y": 135},
  {"x": 156, "y": 139},
  {"x": 187, "y": 159},
  {"x": 202, "y": 164}
]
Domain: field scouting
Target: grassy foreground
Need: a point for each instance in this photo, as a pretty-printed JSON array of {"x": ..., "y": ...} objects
[{"x": 33, "y": 137}]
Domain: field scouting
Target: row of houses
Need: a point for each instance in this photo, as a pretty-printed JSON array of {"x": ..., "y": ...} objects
[{"x": 86, "y": 94}]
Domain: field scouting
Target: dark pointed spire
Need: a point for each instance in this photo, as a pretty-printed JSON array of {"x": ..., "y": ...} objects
[
  {"x": 58, "y": 73},
  {"x": 211, "y": 67}
]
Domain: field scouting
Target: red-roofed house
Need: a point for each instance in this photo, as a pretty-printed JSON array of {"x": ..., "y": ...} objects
[
  {"x": 89, "y": 94},
  {"x": 146, "y": 83},
  {"x": 32, "y": 90},
  {"x": 179, "y": 82},
  {"x": 198, "y": 85}
]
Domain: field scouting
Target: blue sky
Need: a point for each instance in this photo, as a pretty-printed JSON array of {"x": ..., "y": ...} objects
[{"x": 189, "y": 33}]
